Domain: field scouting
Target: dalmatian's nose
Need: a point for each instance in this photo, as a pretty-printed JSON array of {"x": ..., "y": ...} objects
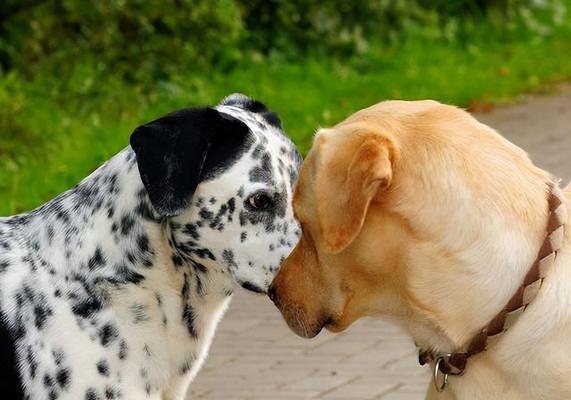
[
  {"x": 272, "y": 293},
  {"x": 253, "y": 288}
]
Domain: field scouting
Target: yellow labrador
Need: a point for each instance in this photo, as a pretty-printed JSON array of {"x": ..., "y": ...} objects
[{"x": 417, "y": 211}]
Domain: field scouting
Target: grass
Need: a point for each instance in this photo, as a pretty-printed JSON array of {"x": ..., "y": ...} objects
[{"x": 54, "y": 134}]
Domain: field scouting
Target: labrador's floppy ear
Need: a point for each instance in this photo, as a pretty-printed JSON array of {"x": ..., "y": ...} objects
[
  {"x": 349, "y": 175},
  {"x": 173, "y": 153}
]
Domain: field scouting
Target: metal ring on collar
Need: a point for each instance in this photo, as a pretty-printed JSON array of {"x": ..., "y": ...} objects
[{"x": 442, "y": 385}]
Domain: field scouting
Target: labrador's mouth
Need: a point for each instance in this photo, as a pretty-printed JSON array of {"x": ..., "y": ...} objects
[
  {"x": 299, "y": 324},
  {"x": 304, "y": 330}
]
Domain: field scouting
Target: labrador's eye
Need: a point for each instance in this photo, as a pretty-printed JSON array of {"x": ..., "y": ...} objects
[{"x": 259, "y": 201}]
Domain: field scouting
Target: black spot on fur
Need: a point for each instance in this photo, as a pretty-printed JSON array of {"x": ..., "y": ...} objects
[
  {"x": 58, "y": 356},
  {"x": 96, "y": 261},
  {"x": 228, "y": 256},
  {"x": 63, "y": 215},
  {"x": 203, "y": 253},
  {"x": 185, "y": 367},
  {"x": 231, "y": 206},
  {"x": 206, "y": 214},
  {"x": 50, "y": 232},
  {"x": 200, "y": 290},
  {"x": 111, "y": 394},
  {"x": 127, "y": 223},
  {"x": 62, "y": 377},
  {"x": 103, "y": 367},
  {"x": 144, "y": 210},
  {"x": 4, "y": 265},
  {"x": 177, "y": 260},
  {"x": 48, "y": 381},
  {"x": 32, "y": 363},
  {"x": 272, "y": 119},
  {"x": 126, "y": 275},
  {"x": 41, "y": 313},
  {"x": 91, "y": 394},
  {"x": 143, "y": 243},
  {"x": 258, "y": 150},
  {"x": 185, "y": 288},
  {"x": 189, "y": 316},
  {"x": 192, "y": 231},
  {"x": 257, "y": 107},
  {"x": 199, "y": 268},
  {"x": 188, "y": 313},
  {"x": 111, "y": 181},
  {"x": 244, "y": 102},
  {"x": 86, "y": 307},
  {"x": 122, "y": 350},
  {"x": 107, "y": 334}
]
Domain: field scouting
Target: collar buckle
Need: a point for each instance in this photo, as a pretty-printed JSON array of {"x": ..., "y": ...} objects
[
  {"x": 444, "y": 365},
  {"x": 439, "y": 386}
]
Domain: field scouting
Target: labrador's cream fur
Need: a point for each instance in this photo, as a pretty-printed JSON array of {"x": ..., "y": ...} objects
[{"x": 417, "y": 211}]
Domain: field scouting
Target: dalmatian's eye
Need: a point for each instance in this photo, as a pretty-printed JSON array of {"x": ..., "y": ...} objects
[{"x": 259, "y": 201}]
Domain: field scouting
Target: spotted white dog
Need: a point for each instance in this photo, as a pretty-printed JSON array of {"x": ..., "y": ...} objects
[{"x": 113, "y": 290}]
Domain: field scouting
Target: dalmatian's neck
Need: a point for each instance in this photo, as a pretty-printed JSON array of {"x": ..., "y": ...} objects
[{"x": 102, "y": 247}]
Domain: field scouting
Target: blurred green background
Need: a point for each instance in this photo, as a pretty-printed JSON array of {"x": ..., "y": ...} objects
[{"x": 76, "y": 77}]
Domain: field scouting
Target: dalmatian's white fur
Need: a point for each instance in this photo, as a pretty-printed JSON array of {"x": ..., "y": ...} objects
[{"x": 113, "y": 290}]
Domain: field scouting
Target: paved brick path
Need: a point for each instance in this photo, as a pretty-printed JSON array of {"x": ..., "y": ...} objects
[{"x": 255, "y": 356}]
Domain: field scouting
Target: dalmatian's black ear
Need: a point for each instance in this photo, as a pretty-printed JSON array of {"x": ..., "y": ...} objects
[{"x": 176, "y": 152}]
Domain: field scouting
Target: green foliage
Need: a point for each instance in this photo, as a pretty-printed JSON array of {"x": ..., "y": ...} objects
[
  {"x": 78, "y": 77},
  {"x": 144, "y": 40},
  {"x": 138, "y": 38}
]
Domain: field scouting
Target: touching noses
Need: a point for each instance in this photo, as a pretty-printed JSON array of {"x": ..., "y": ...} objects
[{"x": 272, "y": 293}]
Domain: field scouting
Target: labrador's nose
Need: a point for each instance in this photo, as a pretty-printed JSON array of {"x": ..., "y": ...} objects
[{"x": 272, "y": 293}]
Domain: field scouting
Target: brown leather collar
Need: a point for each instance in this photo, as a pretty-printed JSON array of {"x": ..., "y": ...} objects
[{"x": 455, "y": 363}]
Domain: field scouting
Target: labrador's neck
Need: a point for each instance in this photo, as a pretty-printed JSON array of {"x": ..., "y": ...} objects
[
  {"x": 481, "y": 279},
  {"x": 468, "y": 285}
]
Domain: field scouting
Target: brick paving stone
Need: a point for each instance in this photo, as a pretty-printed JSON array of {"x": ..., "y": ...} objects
[
  {"x": 359, "y": 390},
  {"x": 255, "y": 357}
]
